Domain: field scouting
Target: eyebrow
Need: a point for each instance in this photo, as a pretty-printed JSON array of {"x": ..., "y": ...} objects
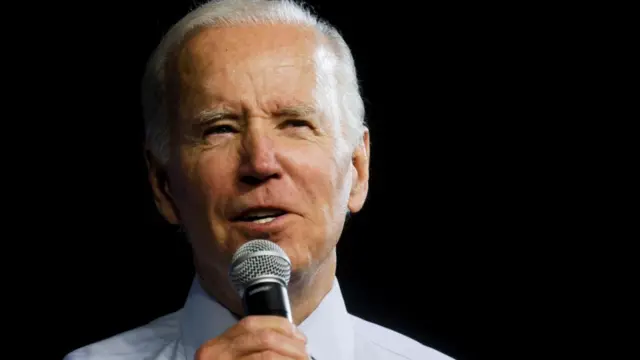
[
  {"x": 296, "y": 111},
  {"x": 208, "y": 116}
]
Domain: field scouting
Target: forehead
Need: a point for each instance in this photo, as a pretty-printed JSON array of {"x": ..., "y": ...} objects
[
  {"x": 232, "y": 63},
  {"x": 245, "y": 41}
]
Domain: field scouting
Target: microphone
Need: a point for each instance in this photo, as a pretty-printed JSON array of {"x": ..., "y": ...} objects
[{"x": 260, "y": 271}]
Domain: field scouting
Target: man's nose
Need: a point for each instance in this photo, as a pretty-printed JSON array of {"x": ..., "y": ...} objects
[{"x": 259, "y": 160}]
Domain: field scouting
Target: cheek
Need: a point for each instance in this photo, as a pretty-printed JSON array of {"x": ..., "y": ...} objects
[
  {"x": 208, "y": 181},
  {"x": 215, "y": 177},
  {"x": 212, "y": 183},
  {"x": 324, "y": 180}
]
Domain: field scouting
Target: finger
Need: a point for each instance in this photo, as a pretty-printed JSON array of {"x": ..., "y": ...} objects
[
  {"x": 254, "y": 324},
  {"x": 270, "y": 355},
  {"x": 214, "y": 349},
  {"x": 269, "y": 340}
]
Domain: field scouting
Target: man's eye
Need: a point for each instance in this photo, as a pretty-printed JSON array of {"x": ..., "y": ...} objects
[
  {"x": 296, "y": 123},
  {"x": 219, "y": 129}
]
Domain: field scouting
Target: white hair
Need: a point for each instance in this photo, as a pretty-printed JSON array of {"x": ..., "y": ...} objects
[{"x": 338, "y": 93}]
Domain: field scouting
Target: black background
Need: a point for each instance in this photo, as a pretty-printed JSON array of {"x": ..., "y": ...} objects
[{"x": 452, "y": 208}]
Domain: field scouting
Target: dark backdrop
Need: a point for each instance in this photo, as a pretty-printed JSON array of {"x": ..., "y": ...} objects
[{"x": 425, "y": 257}]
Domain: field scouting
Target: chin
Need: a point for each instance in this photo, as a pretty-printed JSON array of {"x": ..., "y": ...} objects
[
  {"x": 300, "y": 260},
  {"x": 306, "y": 262}
]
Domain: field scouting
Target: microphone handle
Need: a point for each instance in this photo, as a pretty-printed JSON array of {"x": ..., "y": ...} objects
[{"x": 267, "y": 297}]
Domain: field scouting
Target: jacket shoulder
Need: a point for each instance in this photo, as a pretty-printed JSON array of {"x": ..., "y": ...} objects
[
  {"x": 391, "y": 342},
  {"x": 155, "y": 340}
]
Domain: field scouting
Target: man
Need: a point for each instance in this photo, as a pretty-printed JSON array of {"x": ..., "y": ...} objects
[{"x": 255, "y": 130}]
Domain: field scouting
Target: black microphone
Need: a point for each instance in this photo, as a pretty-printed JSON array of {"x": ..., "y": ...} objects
[{"x": 260, "y": 271}]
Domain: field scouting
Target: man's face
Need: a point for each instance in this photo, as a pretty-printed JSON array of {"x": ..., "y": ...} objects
[{"x": 254, "y": 158}]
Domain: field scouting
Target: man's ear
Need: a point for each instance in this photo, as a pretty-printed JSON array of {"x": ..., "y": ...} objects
[
  {"x": 360, "y": 173},
  {"x": 159, "y": 179}
]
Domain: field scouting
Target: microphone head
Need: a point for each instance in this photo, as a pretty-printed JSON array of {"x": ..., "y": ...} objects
[{"x": 258, "y": 261}]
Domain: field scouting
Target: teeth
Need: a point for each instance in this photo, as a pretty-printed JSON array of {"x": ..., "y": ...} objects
[
  {"x": 260, "y": 216},
  {"x": 264, "y": 213}
]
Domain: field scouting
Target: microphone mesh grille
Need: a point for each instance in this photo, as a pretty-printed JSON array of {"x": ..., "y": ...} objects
[{"x": 247, "y": 266}]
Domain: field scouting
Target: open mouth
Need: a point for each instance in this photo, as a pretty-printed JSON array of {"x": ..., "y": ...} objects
[{"x": 259, "y": 216}]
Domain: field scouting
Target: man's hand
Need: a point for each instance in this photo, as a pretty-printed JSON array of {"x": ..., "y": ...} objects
[{"x": 257, "y": 337}]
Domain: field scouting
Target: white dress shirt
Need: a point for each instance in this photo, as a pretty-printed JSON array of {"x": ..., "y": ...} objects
[{"x": 332, "y": 334}]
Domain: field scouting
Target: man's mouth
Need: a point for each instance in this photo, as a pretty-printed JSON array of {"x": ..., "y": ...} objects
[{"x": 259, "y": 216}]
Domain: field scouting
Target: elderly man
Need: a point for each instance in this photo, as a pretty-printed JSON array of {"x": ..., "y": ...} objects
[{"x": 255, "y": 131}]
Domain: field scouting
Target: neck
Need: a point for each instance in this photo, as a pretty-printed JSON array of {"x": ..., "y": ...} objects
[{"x": 306, "y": 289}]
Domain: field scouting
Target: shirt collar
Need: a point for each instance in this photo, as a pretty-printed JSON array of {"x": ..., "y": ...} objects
[{"x": 328, "y": 329}]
